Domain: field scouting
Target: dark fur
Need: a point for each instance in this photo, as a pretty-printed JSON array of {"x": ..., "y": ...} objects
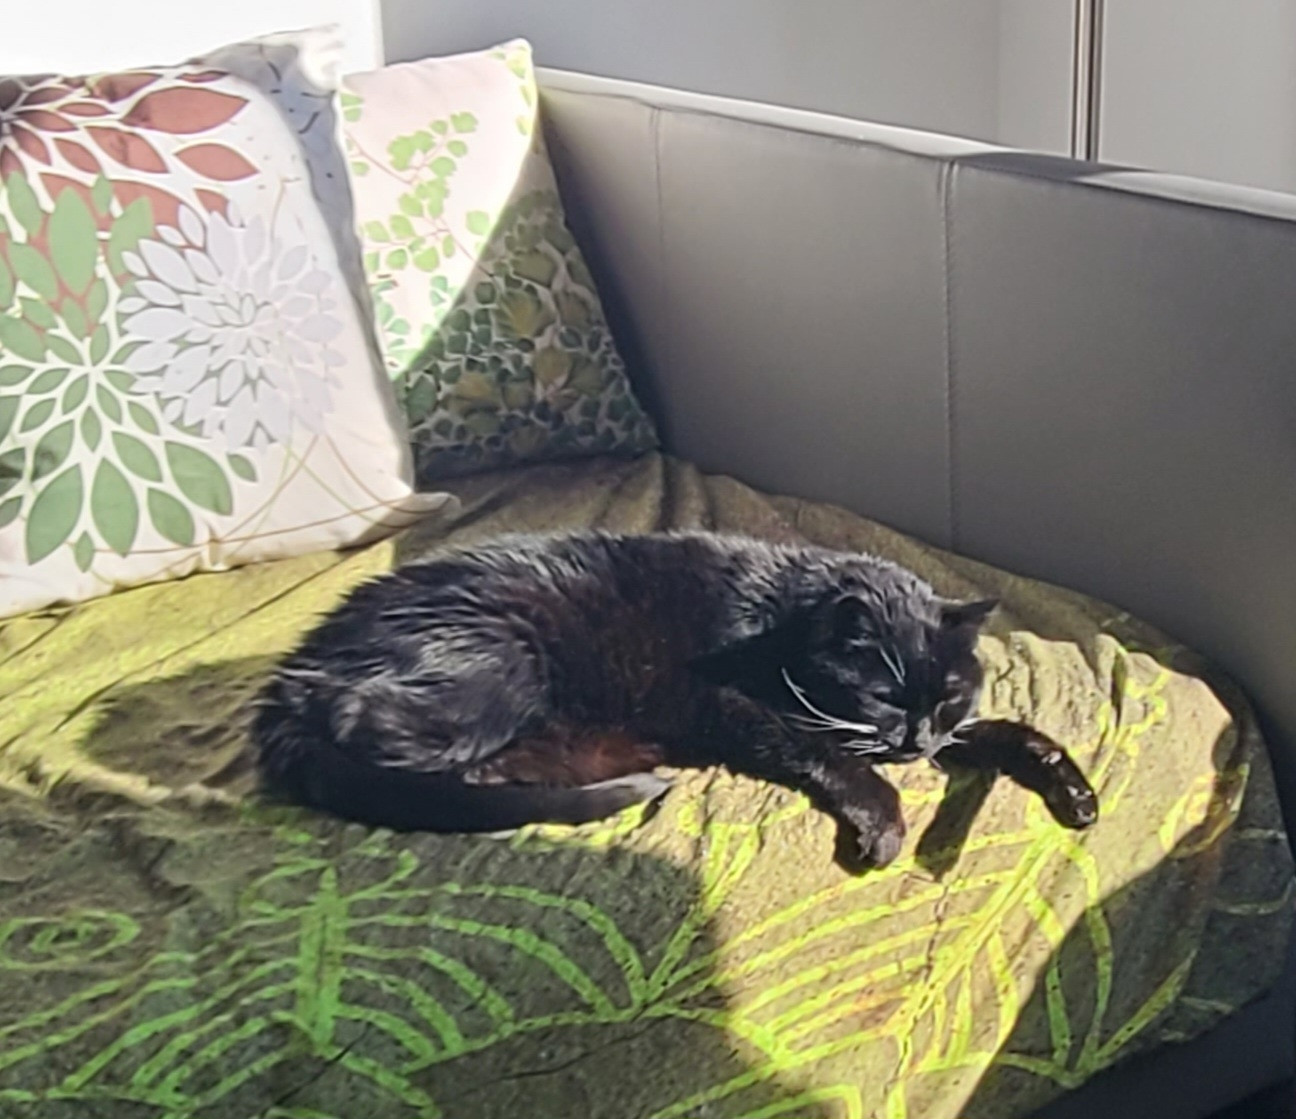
[{"x": 543, "y": 678}]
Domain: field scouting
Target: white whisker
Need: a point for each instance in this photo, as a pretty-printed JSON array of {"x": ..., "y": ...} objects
[
  {"x": 955, "y": 737},
  {"x": 864, "y": 746},
  {"x": 826, "y": 721},
  {"x": 811, "y": 724},
  {"x": 894, "y": 662}
]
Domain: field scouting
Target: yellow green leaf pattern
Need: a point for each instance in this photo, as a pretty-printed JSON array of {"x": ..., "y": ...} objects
[{"x": 171, "y": 947}]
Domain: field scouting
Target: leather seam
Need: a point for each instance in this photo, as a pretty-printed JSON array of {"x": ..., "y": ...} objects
[
  {"x": 663, "y": 286},
  {"x": 951, "y": 381}
]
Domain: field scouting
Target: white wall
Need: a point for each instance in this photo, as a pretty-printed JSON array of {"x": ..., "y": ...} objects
[
  {"x": 76, "y": 36},
  {"x": 923, "y": 63},
  {"x": 1204, "y": 87}
]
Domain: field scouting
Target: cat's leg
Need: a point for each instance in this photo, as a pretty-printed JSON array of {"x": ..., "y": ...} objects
[
  {"x": 855, "y": 793},
  {"x": 1031, "y": 759},
  {"x": 753, "y": 741}
]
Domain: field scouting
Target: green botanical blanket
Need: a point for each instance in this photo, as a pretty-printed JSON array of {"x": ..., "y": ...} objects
[{"x": 170, "y": 947}]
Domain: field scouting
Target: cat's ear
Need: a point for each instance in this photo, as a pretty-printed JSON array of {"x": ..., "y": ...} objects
[
  {"x": 746, "y": 664},
  {"x": 966, "y": 615}
]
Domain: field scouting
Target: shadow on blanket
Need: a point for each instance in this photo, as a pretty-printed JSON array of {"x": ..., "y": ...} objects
[
  {"x": 206, "y": 956},
  {"x": 236, "y": 961}
]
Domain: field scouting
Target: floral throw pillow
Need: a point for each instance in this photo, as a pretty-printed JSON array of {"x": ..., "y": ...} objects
[
  {"x": 488, "y": 318},
  {"x": 185, "y": 378},
  {"x": 299, "y": 72}
]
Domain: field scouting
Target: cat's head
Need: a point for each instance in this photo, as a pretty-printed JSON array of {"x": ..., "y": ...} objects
[{"x": 893, "y": 671}]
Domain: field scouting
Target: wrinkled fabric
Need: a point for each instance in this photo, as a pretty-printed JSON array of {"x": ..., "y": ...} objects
[{"x": 171, "y": 945}]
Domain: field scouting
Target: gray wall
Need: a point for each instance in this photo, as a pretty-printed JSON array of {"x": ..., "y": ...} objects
[
  {"x": 996, "y": 70},
  {"x": 1034, "y": 74},
  {"x": 1205, "y": 87},
  {"x": 922, "y": 63}
]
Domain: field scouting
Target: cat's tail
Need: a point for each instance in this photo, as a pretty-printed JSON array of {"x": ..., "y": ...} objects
[{"x": 318, "y": 774}]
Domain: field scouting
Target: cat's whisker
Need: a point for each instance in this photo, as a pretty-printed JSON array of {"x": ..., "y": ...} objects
[
  {"x": 894, "y": 662},
  {"x": 833, "y": 725},
  {"x": 829, "y": 722},
  {"x": 957, "y": 737},
  {"x": 811, "y": 724},
  {"x": 864, "y": 746}
]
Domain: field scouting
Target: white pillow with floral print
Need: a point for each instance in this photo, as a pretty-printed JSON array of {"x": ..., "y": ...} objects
[
  {"x": 185, "y": 379},
  {"x": 299, "y": 72}
]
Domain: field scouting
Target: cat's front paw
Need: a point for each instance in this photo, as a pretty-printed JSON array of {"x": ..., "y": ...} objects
[
  {"x": 880, "y": 849},
  {"x": 870, "y": 841},
  {"x": 1069, "y": 796}
]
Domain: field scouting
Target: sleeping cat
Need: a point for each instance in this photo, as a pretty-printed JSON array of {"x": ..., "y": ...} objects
[{"x": 543, "y": 678}]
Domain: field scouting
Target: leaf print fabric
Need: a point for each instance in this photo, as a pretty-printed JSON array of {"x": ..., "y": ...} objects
[
  {"x": 185, "y": 382},
  {"x": 490, "y": 324},
  {"x": 172, "y": 946}
]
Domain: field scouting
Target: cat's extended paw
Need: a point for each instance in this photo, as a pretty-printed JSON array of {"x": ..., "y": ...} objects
[
  {"x": 869, "y": 842},
  {"x": 1069, "y": 796},
  {"x": 880, "y": 848}
]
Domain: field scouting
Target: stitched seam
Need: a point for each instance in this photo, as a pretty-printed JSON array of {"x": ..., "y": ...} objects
[
  {"x": 947, "y": 299},
  {"x": 663, "y": 288}
]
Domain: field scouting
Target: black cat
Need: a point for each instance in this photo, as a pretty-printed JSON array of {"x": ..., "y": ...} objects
[{"x": 542, "y": 678}]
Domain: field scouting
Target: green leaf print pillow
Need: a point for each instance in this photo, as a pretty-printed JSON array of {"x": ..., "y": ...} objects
[
  {"x": 488, "y": 318},
  {"x": 186, "y": 382}
]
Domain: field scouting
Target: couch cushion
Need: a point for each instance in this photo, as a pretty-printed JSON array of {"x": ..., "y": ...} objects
[
  {"x": 171, "y": 942},
  {"x": 489, "y": 319}
]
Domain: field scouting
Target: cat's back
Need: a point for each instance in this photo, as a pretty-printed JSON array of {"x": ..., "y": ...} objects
[
  {"x": 695, "y": 580},
  {"x": 584, "y": 566},
  {"x": 587, "y": 606},
  {"x": 660, "y": 580}
]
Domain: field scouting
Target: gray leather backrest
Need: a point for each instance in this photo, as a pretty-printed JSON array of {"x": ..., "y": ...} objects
[
  {"x": 781, "y": 294},
  {"x": 1080, "y": 373}
]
